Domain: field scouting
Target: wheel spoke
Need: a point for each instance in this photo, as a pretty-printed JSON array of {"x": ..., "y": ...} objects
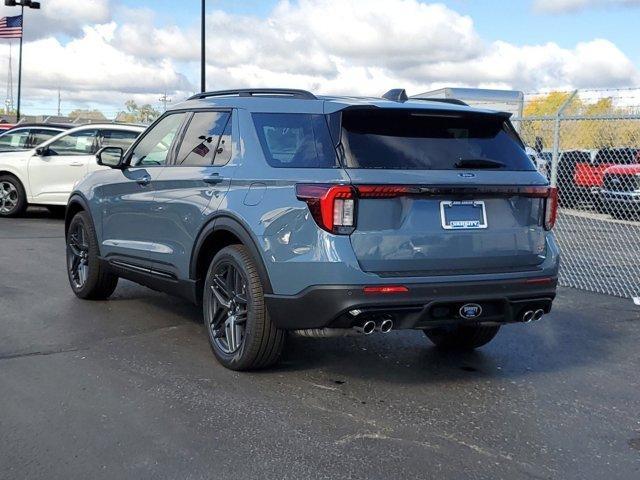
[
  {"x": 229, "y": 311},
  {"x": 74, "y": 245},
  {"x": 220, "y": 296},
  {"x": 217, "y": 317},
  {"x": 230, "y": 336}
]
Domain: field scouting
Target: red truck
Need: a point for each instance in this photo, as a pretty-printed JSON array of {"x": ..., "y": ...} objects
[
  {"x": 620, "y": 193},
  {"x": 581, "y": 174}
]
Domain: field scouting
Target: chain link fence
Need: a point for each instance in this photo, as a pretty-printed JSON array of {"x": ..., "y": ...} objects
[{"x": 589, "y": 147}]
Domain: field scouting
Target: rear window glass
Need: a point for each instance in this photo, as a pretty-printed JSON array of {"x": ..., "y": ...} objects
[
  {"x": 418, "y": 140},
  {"x": 295, "y": 140}
]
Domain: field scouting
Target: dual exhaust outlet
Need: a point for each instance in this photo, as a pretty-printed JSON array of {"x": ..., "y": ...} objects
[
  {"x": 532, "y": 315},
  {"x": 370, "y": 326}
]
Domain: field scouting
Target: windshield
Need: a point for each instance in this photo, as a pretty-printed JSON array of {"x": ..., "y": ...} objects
[{"x": 419, "y": 140}]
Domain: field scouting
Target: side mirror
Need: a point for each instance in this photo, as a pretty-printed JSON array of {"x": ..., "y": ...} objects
[
  {"x": 42, "y": 151},
  {"x": 110, "y": 157}
]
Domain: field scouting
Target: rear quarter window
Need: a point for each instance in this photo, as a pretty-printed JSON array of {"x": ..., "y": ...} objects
[{"x": 295, "y": 140}]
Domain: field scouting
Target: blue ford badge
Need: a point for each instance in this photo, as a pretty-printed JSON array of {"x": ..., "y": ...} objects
[
  {"x": 467, "y": 175},
  {"x": 470, "y": 311}
]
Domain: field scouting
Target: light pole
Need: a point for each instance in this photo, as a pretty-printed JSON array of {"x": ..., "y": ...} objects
[
  {"x": 203, "y": 63},
  {"x": 21, "y": 4}
]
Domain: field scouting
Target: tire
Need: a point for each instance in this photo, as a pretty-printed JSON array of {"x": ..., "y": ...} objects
[
  {"x": 462, "y": 337},
  {"x": 13, "y": 201},
  {"x": 95, "y": 283},
  {"x": 260, "y": 342}
]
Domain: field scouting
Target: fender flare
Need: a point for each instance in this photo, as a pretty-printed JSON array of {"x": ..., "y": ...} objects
[
  {"x": 232, "y": 224},
  {"x": 76, "y": 199}
]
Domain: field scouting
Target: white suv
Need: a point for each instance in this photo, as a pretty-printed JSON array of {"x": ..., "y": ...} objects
[{"x": 45, "y": 175}]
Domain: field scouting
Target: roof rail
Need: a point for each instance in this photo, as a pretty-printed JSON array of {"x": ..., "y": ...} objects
[
  {"x": 453, "y": 101},
  {"x": 250, "y": 92}
]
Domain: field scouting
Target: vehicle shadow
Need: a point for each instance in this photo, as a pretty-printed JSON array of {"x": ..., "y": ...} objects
[
  {"x": 561, "y": 341},
  {"x": 578, "y": 333}
]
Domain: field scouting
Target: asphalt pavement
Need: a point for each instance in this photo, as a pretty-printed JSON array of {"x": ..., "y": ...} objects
[{"x": 128, "y": 388}]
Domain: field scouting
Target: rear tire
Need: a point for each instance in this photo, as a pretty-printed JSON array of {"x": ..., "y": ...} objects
[
  {"x": 88, "y": 278},
  {"x": 241, "y": 334},
  {"x": 465, "y": 337},
  {"x": 13, "y": 201}
]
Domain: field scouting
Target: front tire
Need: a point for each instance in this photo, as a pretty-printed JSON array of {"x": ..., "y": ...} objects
[
  {"x": 13, "y": 201},
  {"x": 89, "y": 279},
  {"x": 241, "y": 334},
  {"x": 463, "y": 337}
]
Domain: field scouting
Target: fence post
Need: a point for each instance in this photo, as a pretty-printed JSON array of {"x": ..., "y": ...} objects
[{"x": 556, "y": 139}]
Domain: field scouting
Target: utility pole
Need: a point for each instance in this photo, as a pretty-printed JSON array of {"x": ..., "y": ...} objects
[
  {"x": 22, "y": 4},
  {"x": 203, "y": 62},
  {"x": 59, "y": 101},
  {"x": 164, "y": 100}
]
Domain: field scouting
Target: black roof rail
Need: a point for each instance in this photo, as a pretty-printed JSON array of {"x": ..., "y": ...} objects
[
  {"x": 250, "y": 92},
  {"x": 453, "y": 101}
]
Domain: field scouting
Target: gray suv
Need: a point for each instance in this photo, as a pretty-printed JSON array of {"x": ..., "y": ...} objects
[{"x": 279, "y": 211}]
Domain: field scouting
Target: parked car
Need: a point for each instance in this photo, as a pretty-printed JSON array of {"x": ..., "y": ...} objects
[
  {"x": 28, "y": 136},
  {"x": 588, "y": 172},
  {"x": 569, "y": 194},
  {"x": 279, "y": 210},
  {"x": 620, "y": 194},
  {"x": 45, "y": 175}
]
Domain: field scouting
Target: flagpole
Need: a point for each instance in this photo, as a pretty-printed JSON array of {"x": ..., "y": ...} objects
[
  {"x": 20, "y": 65},
  {"x": 203, "y": 63}
]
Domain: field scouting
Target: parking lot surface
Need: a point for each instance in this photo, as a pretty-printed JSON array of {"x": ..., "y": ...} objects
[{"x": 128, "y": 388}]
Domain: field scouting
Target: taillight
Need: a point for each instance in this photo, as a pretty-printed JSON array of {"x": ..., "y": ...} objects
[
  {"x": 332, "y": 206},
  {"x": 551, "y": 208}
]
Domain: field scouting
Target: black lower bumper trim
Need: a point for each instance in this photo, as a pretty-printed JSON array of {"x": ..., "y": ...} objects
[{"x": 423, "y": 306}]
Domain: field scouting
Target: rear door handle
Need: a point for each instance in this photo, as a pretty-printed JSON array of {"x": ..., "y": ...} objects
[
  {"x": 143, "y": 181},
  {"x": 76, "y": 164},
  {"x": 213, "y": 179}
]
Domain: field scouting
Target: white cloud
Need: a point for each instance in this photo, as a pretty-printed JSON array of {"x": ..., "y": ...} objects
[
  {"x": 62, "y": 16},
  {"x": 566, "y": 6},
  {"x": 328, "y": 46},
  {"x": 90, "y": 70}
]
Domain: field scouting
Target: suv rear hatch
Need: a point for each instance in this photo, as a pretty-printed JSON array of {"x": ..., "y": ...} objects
[{"x": 442, "y": 192}]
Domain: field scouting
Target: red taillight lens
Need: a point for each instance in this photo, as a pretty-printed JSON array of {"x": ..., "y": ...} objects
[
  {"x": 551, "y": 208},
  {"x": 332, "y": 206},
  {"x": 385, "y": 289}
]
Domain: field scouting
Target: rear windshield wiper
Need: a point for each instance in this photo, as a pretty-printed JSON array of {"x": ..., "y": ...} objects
[{"x": 478, "y": 163}]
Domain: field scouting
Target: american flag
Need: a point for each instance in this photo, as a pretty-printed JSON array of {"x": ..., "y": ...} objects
[{"x": 11, "y": 27}]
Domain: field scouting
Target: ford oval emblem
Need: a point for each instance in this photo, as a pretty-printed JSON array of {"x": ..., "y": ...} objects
[
  {"x": 467, "y": 175},
  {"x": 470, "y": 311}
]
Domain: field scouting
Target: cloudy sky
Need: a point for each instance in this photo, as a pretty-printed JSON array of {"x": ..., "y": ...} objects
[{"x": 100, "y": 53}]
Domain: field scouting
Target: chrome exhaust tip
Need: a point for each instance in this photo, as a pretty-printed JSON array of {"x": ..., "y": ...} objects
[
  {"x": 538, "y": 314},
  {"x": 528, "y": 316},
  {"x": 367, "y": 328},
  {"x": 386, "y": 326}
]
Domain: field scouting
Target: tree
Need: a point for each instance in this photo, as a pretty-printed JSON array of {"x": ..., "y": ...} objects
[
  {"x": 591, "y": 125},
  {"x": 88, "y": 114},
  {"x": 135, "y": 113}
]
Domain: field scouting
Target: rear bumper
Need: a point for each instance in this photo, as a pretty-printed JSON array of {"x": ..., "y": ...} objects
[{"x": 423, "y": 306}]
